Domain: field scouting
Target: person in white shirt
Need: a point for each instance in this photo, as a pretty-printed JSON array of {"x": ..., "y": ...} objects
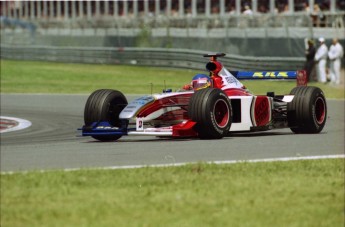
[
  {"x": 247, "y": 10},
  {"x": 321, "y": 60},
  {"x": 335, "y": 54}
]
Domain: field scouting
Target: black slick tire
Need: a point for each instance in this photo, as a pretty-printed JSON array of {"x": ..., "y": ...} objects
[
  {"x": 211, "y": 109},
  {"x": 307, "y": 112},
  {"x": 104, "y": 105}
]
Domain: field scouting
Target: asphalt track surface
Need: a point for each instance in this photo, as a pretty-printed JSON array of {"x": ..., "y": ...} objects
[{"x": 52, "y": 142}]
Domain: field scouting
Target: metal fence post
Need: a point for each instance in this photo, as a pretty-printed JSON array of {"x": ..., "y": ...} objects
[
  {"x": 66, "y": 10},
  {"x": 45, "y": 9},
  {"x": 51, "y": 10},
  {"x": 115, "y": 8},
  {"x": 38, "y": 10},
  {"x": 81, "y": 9},
  {"x": 207, "y": 8},
  {"x": 181, "y": 8},
  {"x": 88, "y": 10},
  {"x": 32, "y": 12}
]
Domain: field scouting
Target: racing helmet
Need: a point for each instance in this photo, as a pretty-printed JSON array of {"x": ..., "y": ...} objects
[{"x": 201, "y": 81}]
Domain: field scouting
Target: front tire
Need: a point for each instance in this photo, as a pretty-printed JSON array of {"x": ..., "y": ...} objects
[
  {"x": 104, "y": 105},
  {"x": 307, "y": 112},
  {"x": 211, "y": 110}
]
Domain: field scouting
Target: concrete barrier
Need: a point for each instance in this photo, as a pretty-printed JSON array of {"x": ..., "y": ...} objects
[{"x": 158, "y": 57}]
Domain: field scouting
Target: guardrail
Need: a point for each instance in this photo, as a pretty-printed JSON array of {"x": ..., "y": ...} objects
[{"x": 158, "y": 57}]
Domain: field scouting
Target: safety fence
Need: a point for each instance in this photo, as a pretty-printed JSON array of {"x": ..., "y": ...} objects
[{"x": 158, "y": 57}]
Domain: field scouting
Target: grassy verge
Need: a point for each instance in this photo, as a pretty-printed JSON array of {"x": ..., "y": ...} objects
[
  {"x": 297, "y": 193},
  {"x": 49, "y": 77}
]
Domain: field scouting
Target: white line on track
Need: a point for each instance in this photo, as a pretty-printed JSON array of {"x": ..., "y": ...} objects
[
  {"x": 220, "y": 162},
  {"x": 283, "y": 159},
  {"x": 22, "y": 124}
]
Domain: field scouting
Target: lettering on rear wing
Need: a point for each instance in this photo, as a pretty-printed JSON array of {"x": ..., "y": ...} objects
[{"x": 300, "y": 76}]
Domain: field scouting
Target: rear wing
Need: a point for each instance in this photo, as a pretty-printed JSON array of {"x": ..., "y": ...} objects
[{"x": 300, "y": 76}]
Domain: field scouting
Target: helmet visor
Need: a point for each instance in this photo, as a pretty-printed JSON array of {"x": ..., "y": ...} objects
[{"x": 200, "y": 83}]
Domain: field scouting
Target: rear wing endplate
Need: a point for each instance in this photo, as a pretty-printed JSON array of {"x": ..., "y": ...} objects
[{"x": 300, "y": 76}]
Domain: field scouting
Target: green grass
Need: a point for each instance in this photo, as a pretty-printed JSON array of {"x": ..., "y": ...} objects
[
  {"x": 296, "y": 193},
  {"x": 50, "y": 77}
]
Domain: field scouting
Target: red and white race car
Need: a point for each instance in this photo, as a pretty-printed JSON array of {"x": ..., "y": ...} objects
[{"x": 210, "y": 113}]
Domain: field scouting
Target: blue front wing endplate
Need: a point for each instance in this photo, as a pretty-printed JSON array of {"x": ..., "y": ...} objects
[{"x": 104, "y": 128}]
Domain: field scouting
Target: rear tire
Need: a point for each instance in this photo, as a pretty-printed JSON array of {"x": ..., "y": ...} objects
[
  {"x": 307, "y": 112},
  {"x": 211, "y": 110},
  {"x": 105, "y": 105}
]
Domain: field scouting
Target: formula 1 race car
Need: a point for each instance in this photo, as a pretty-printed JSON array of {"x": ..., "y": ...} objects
[{"x": 209, "y": 113}]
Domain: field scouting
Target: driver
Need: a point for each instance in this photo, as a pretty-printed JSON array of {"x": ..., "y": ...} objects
[{"x": 199, "y": 81}]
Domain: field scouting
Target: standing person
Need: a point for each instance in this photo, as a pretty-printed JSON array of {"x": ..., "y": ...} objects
[
  {"x": 321, "y": 60},
  {"x": 309, "y": 55},
  {"x": 335, "y": 54},
  {"x": 247, "y": 10}
]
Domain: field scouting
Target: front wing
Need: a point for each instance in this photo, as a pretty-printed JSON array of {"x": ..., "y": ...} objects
[{"x": 184, "y": 129}]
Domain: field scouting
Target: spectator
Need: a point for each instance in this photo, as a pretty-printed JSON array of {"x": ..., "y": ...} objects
[
  {"x": 309, "y": 55},
  {"x": 318, "y": 16},
  {"x": 335, "y": 54},
  {"x": 286, "y": 9},
  {"x": 306, "y": 7},
  {"x": 232, "y": 10},
  {"x": 321, "y": 60},
  {"x": 189, "y": 12},
  {"x": 215, "y": 10},
  {"x": 262, "y": 9},
  {"x": 247, "y": 10}
]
